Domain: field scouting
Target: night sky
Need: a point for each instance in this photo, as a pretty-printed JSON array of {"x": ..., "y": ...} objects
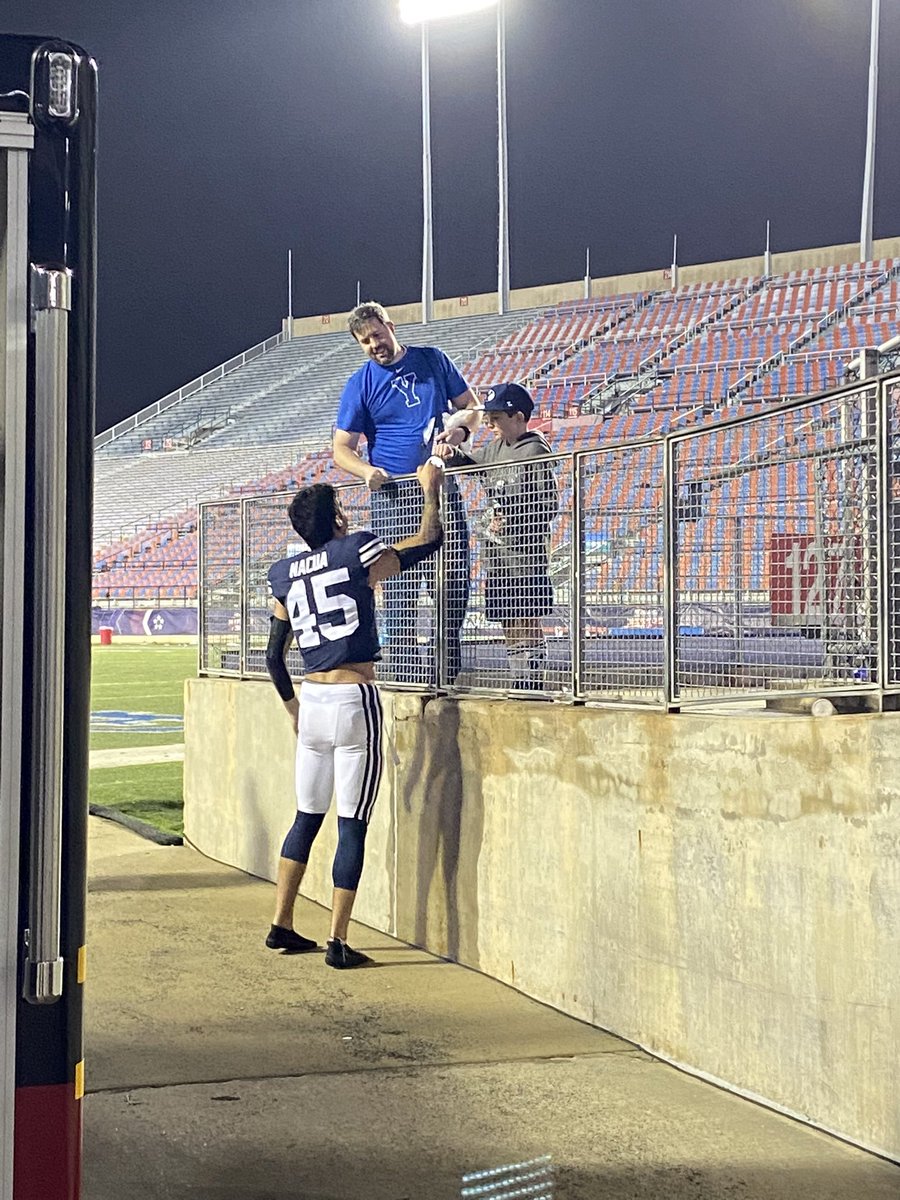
[{"x": 231, "y": 132}]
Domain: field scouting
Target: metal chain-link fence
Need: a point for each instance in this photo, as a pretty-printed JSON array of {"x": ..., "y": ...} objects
[
  {"x": 748, "y": 557},
  {"x": 620, "y": 576},
  {"x": 221, "y": 566},
  {"x": 891, "y": 529},
  {"x": 267, "y": 537},
  {"x": 774, "y": 562},
  {"x": 516, "y": 622}
]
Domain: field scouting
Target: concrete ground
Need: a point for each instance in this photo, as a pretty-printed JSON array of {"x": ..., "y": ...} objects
[{"x": 217, "y": 1070}]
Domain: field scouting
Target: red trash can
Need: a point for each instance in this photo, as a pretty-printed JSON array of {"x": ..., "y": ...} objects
[{"x": 105, "y": 635}]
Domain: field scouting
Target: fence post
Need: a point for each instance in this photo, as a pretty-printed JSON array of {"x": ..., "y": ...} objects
[
  {"x": 670, "y": 628},
  {"x": 244, "y": 653}
]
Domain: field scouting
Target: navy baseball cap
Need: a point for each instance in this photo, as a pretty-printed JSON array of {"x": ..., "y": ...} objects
[{"x": 509, "y": 398}]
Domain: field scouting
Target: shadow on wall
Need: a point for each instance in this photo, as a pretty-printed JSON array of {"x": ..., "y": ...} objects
[
  {"x": 448, "y": 837},
  {"x": 258, "y": 823}
]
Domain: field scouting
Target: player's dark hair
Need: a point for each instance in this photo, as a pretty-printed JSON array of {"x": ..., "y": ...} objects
[
  {"x": 369, "y": 310},
  {"x": 313, "y": 513}
]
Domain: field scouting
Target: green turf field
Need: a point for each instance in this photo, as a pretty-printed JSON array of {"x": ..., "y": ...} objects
[
  {"x": 149, "y": 679},
  {"x": 139, "y": 678},
  {"x": 152, "y": 793}
]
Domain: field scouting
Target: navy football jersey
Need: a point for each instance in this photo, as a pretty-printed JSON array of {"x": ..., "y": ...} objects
[{"x": 329, "y": 602}]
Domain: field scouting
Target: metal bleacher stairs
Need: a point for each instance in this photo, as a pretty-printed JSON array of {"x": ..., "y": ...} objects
[
  {"x": 248, "y": 423},
  {"x": 290, "y": 393},
  {"x": 868, "y": 283},
  {"x": 303, "y": 408},
  {"x": 133, "y": 490}
]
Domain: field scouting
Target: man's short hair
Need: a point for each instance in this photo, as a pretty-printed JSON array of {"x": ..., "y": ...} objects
[
  {"x": 369, "y": 310},
  {"x": 313, "y": 512}
]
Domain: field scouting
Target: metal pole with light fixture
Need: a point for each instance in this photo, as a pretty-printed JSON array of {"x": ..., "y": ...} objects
[
  {"x": 674, "y": 271},
  {"x": 865, "y": 233},
  {"x": 415, "y": 12},
  {"x": 427, "y": 216},
  {"x": 502, "y": 167}
]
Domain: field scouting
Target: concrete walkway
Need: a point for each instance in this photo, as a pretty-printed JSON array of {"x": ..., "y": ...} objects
[{"x": 218, "y": 1070}]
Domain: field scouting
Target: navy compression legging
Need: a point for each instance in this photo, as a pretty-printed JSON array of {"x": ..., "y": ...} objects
[{"x": 351, "y": 847}]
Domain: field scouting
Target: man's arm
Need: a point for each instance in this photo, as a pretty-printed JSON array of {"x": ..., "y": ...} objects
[
  {"x": 422, "y": 544},
  {"x": 466, "y": 399},
  {"x": 276, "y": 652},
  {"x": 346, "y": 456}
]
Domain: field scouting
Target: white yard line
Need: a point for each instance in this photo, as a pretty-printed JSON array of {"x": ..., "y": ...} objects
[{"x": 137, "y": 756}]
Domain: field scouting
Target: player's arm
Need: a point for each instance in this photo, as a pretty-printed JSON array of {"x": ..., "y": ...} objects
[
  {"x": 276, "y": 652},
  {"x": 346, "y": 455},
  {"x": 412, "y": 550}
]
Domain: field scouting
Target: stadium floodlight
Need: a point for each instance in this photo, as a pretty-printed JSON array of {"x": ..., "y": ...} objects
[
  {"x": 421, "y": 12},
  {"x": 414, "y": 11}
]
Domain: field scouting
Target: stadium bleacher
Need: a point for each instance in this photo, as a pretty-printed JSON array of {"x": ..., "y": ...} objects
[{"x": 610, "y": 369}]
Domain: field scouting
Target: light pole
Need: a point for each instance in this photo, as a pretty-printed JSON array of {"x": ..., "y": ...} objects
[
  {"x": 415, "y": 12},
  {"x": 427, "y": 215},
  {"x": 865, "y": 233},
  {"x": 502, "y": 167}
]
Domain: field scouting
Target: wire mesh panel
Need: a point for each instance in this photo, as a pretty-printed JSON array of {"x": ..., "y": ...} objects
[
  {"x": 892, "y": 533},
  {"x": 220, "y": 587},
  {"x": 742, "y": 558},
  {"x": 516, "y": 632},
  {"x": 405, "y": 607},
  {"x": 621, "y": 593},
  {"x": 268, "y": 536},
  {"x": 774, "y": 551}
]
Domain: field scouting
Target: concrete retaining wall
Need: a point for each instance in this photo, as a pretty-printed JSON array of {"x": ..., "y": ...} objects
[{"x": 723, "y": 890}]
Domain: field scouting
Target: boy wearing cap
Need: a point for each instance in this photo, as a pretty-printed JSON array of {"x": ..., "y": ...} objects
[{"x": 522, "y": 502}]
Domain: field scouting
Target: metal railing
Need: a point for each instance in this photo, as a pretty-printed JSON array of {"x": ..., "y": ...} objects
[
  {"x": 121, "y": 596},
  {"x": 741, "y": 559},
  {"x": 187, "y": 389}
]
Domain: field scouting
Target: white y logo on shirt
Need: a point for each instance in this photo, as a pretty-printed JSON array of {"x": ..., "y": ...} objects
[{"x": 407, "y": 385}]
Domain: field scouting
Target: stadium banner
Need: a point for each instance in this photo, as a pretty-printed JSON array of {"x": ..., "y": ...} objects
[{"x": 144, "y": 622}]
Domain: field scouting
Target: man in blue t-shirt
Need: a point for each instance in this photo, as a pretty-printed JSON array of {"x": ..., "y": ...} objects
[
  {"x": 324, "y": 601},
  {"x": 402, "y": 401}
]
